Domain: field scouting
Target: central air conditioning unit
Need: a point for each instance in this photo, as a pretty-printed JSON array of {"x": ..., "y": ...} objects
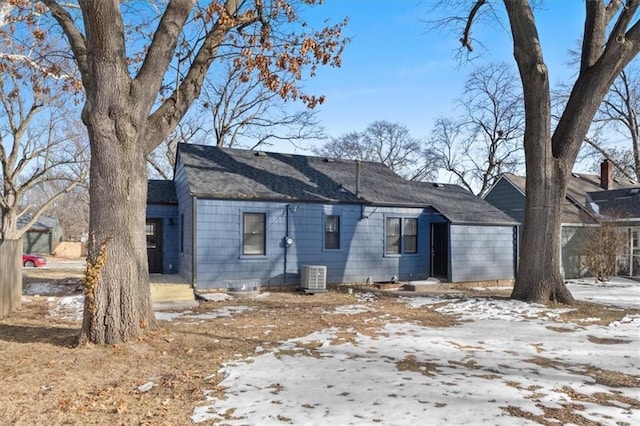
[{"x": 313, "y": 279}]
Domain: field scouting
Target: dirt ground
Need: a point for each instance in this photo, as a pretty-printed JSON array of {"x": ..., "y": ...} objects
[{"x": 46, "y": 379}]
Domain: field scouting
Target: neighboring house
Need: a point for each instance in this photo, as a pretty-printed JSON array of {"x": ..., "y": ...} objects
[
  {"x": 246, "y": 216},
  {"x": 508, "y": 195},
  {"x": 43, "y": 236},
  {"x": 621, "y": 208}
]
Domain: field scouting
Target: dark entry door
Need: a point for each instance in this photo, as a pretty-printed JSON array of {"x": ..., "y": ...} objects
[
  {"x": 154, "y": 245},
  {"x": 440, "y": 250}
]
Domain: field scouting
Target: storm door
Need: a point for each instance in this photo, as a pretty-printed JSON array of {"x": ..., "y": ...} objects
[
  {"x": 153, "y": 230},
  {"x": 440, "y": 250}
]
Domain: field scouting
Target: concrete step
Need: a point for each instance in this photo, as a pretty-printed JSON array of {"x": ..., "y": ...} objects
[{"x": 161, "y": 293}]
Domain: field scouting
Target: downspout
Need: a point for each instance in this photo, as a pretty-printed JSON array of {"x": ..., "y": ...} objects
[
  {"x": 194, "y": 211},
  {"x": 284, "y": 242}
]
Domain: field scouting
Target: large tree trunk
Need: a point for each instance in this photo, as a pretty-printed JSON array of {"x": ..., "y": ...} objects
[
  {"x": 539, "y": 276},
  {"x": 118, "y": 300}
]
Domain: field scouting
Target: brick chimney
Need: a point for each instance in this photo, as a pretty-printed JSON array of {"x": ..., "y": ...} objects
[{"x": 606, "y": 174}]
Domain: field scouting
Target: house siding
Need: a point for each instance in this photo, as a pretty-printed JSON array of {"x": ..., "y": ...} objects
[
  {"x": 481, "y": 253},
  {"x": 361, "y": 254},
  {"x": 165, "y": 212},
  {"x": 507, "y": 198},
  {"x": 185, "y": 214},
  {"x": 42, "y": 242}
]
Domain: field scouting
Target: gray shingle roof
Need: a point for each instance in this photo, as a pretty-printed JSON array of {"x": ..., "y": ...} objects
[
  {"x": 249, "y": 175},
  {"x": 579, "y": 184},
  {"x": 617, "y": 203},
  {"x": 161, "y": 192}
]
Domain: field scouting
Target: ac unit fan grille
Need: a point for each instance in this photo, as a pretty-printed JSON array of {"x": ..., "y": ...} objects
[{"x": 314, "y": 277}]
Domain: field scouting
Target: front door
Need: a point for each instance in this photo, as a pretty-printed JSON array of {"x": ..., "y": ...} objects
[
  {"x": 154, "y": 245},
  {"x": 440, "y": 250}
]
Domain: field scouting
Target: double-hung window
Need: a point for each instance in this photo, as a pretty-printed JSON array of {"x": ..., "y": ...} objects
[
  {"x": 410, "y": 236},
  {"x": 393, "y": 235},
  {"x": 332, "y": 232},
  {"x": 401, "y": 235},
  {"x": 253, "y": 234}
]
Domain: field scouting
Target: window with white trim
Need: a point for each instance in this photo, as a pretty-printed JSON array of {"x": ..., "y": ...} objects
[
  {"x": 410, "y": 236},
  {"x": 253, "y": 234},
  {"x": 332, "y": 232},
  {"x": 401, "y": 235}
]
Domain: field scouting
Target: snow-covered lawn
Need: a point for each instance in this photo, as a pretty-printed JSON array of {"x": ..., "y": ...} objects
[
  {"x": 509, "y": 357},
  {"x": 505, "y": 363}
]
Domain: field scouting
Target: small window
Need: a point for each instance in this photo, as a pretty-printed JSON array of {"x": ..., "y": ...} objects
[
  {"x": 393, "y": 235},
  {"x": 332, "y": 232},
  {"x": 410, "y": 236},
  {"x": 253, "y": 234},
  {"x": 150, "y": 231}
]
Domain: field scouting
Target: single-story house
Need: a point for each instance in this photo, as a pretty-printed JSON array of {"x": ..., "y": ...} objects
[
  {"x": 508, "y": 195},
  {"x": 43, "y": 236},
  {"x": 232, "y": 216}
]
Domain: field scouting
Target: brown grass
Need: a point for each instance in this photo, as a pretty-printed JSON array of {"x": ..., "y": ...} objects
[{"x": 47, "y": 380}]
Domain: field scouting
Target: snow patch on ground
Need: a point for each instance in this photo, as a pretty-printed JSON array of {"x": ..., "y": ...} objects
[{"x": 505, "y": 354}]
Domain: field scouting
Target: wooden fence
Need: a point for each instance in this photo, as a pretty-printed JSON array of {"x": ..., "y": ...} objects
[{"x": 10, "y": 276}]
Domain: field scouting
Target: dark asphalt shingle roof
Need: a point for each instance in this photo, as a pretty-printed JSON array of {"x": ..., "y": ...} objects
[
  {"x": 617, "y": 203},
  {"x": 161, "y": 192},
  {"x": 241, "y": 174},
  {"x": 578, "y": 185}
]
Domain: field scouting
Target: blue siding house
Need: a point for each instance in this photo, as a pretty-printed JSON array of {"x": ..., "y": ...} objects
[{"x": 232, "y": 216}]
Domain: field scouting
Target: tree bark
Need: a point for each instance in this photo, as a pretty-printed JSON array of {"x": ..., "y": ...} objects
[
  {"x": 550, "y": 157},
  {"x": 11, "y": 276},
  {"x": 539, "y": 276},
  {"x": 117, "y": 294}
]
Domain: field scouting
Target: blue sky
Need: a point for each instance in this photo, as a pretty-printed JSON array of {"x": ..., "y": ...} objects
[{"x": 395, "y": 69}]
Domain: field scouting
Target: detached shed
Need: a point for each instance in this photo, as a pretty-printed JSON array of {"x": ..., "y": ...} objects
[{"x": 43, "y": 236}]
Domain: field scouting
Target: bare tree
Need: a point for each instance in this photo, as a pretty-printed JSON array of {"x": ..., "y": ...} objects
[
  {"x": 610, "y": 41},
  {"x": 384, "y": 142},
  {"x": 620, "y": 112},
  {"x": 237, "y": 110},
  {"x": 244, "y": 113},
  {"x": 136, "y": 93},
  {"x": 35, "y": 140},
  {"x": 69, "y": 205},
  {"x": 603, "y": 249},
  {"x": 485, "y": 140}
]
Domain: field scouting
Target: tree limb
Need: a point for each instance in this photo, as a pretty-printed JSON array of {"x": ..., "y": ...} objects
[
  {"x": 76, "y": 39},
  {"x": 466, "y": 35}
]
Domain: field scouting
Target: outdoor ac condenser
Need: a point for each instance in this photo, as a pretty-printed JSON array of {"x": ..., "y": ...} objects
[{"x": 313, "y": 278}]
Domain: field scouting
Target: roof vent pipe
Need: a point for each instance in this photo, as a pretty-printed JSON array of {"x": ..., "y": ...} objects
[{"x": 358, "y": 178}]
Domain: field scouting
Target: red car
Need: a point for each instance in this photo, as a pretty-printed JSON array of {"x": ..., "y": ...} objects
[{"x": 32, "y": 260}]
